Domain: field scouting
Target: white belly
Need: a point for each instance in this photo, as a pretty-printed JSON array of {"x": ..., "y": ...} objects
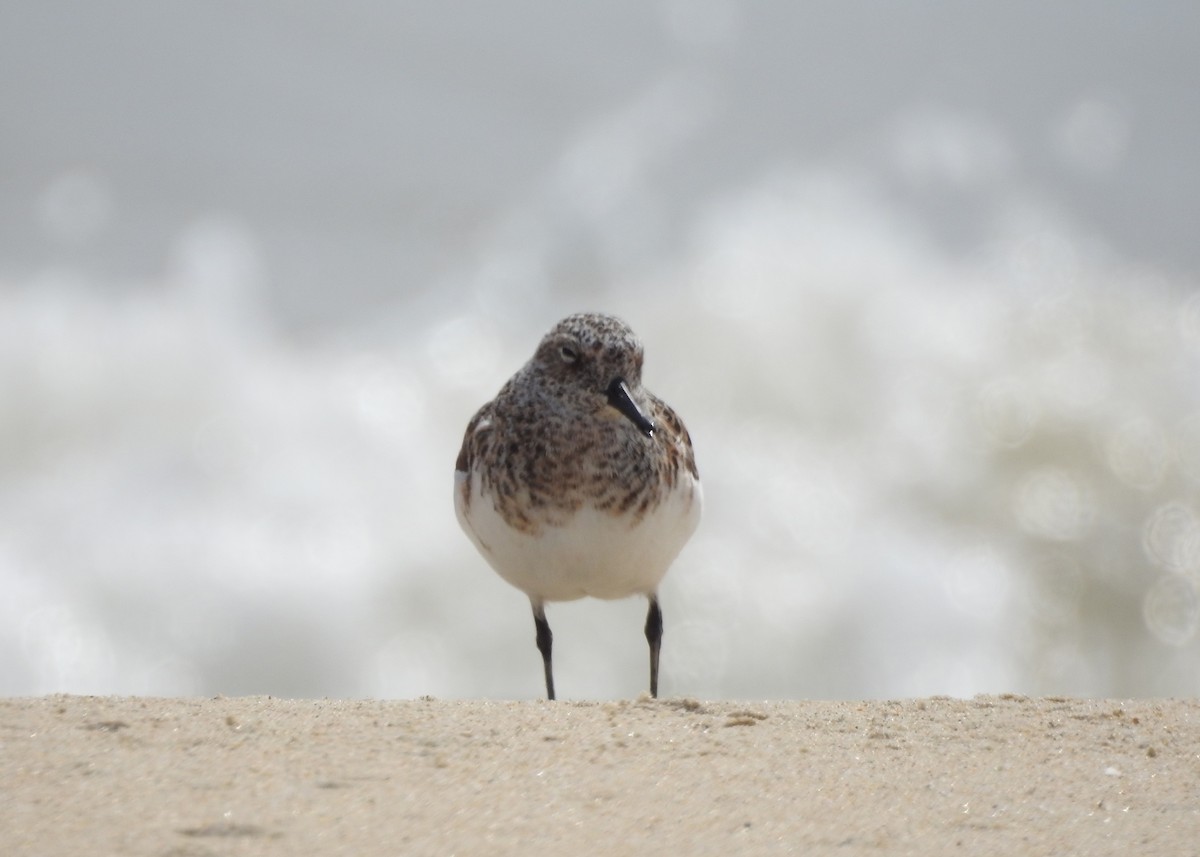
[{"x": 595, "y": 553}]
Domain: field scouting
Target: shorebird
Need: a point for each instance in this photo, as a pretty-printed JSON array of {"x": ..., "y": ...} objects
[{"x": 577, "y": 481}]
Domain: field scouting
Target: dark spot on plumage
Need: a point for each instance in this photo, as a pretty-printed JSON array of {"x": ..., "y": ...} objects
[
  {"x": 644, "y": 506},
  {"x": 628, "y": 501}
]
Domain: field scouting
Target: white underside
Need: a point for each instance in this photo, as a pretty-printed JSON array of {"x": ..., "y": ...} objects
[{"x": 594, "y": 554}]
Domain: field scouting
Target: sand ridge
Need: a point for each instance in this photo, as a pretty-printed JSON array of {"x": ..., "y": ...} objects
[{"x": 256, "y": 775}]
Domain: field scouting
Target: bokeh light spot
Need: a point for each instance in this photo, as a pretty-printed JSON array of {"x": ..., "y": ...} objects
[
  {"x": 1052, "y": 504},
  {"x": 1171, "y": 609},
  {"x": 1171, "y": 538}
]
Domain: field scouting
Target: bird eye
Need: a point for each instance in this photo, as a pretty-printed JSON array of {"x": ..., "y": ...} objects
[{"x": 569, "y": 354}]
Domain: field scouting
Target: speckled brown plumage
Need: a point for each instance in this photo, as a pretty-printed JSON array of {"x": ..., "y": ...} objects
[{"x": 548, "y": 449}]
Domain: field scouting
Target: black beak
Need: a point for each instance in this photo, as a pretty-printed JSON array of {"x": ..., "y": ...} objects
[{"x": 619, "y": 398}]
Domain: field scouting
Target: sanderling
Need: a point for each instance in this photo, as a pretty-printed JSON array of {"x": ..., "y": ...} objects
[{"x": 578, "y": 481}]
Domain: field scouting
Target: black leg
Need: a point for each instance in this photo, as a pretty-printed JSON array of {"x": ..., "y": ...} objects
[
  {"x": 544, "y": 641},
  {"x": 654, "y": 638}
]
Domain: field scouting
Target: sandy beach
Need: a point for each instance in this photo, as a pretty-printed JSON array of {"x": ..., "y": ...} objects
[{"x": 195, "y": 777}]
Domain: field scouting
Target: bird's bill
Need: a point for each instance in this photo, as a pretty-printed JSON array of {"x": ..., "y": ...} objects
[{"x": 619, "y": 398}]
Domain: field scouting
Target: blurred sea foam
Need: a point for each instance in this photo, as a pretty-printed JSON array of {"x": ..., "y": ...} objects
[{"x": 934, "y": 461}]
